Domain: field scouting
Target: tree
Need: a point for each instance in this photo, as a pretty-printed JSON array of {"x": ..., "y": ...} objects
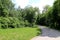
[
  {"x": 45, "y": 17},
  {"x": 30, "y": 14},
  {"x": 5, "y": 7},
  {"x": 56, "y": 14}
]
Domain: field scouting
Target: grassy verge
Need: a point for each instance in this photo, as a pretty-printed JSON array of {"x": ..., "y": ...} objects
[{"x": 18, "y": 33}]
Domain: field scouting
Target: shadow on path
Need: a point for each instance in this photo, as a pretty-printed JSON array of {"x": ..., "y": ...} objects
[{"x": 49, "y": 32}]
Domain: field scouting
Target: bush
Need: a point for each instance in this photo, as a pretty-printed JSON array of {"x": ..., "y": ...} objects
[
  {"x": 26, "y": 23},
  {"x": 4, "y": 22},
  {"x": 9, "y": 22},
  {"x": 13, "y": 22}
]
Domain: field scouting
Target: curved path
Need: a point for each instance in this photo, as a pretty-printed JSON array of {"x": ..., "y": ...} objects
[{"x": 48, "y": 34}]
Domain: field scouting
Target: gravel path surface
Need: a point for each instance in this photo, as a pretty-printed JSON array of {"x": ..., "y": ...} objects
[{"x": 48, "y": 34}]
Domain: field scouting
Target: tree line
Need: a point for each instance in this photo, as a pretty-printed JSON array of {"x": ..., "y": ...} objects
[
  {"x": 11, "y": 17},
  {"x": 51, "y": 16}
]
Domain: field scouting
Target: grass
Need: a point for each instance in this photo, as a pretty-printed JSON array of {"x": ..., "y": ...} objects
[{"x": 18, "y": 33}]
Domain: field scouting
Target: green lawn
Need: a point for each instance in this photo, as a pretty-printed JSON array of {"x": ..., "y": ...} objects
[{"x": 18, "y": 33}]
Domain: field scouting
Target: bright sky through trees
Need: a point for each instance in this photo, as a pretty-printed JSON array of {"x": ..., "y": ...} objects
[{"x": 35, "y": 3}]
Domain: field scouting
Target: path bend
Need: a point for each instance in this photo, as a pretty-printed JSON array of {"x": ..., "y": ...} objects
[{"x": 48, "y": 34}]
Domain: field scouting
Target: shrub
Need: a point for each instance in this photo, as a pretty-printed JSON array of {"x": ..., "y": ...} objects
[
  {"x": 13, "y": 22},
  {"x": 9, "y": 22},
  {"x": 4, "y": 22},
  {"x": 26, "y": 23}
]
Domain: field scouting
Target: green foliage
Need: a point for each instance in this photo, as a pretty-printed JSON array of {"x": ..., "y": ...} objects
[
  {"x": 3, "y": 22},
  {"x": 13, "y": 22},
  {"x": 30, "y": 14},
  {"x": 51, "y": 16},
  {"x": 55, "y": 13},
  {"x": 26, "y": 23},
  {"x": 9, "y": 22},
  {"x": 11, "y": 17},
  {"x": 5, "y": 7}
]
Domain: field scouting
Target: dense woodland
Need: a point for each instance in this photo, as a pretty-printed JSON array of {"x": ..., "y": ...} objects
[{"x": 11, "y": 17}]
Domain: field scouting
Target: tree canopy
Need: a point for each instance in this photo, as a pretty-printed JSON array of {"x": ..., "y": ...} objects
[{"x": 29, "y": 16}]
